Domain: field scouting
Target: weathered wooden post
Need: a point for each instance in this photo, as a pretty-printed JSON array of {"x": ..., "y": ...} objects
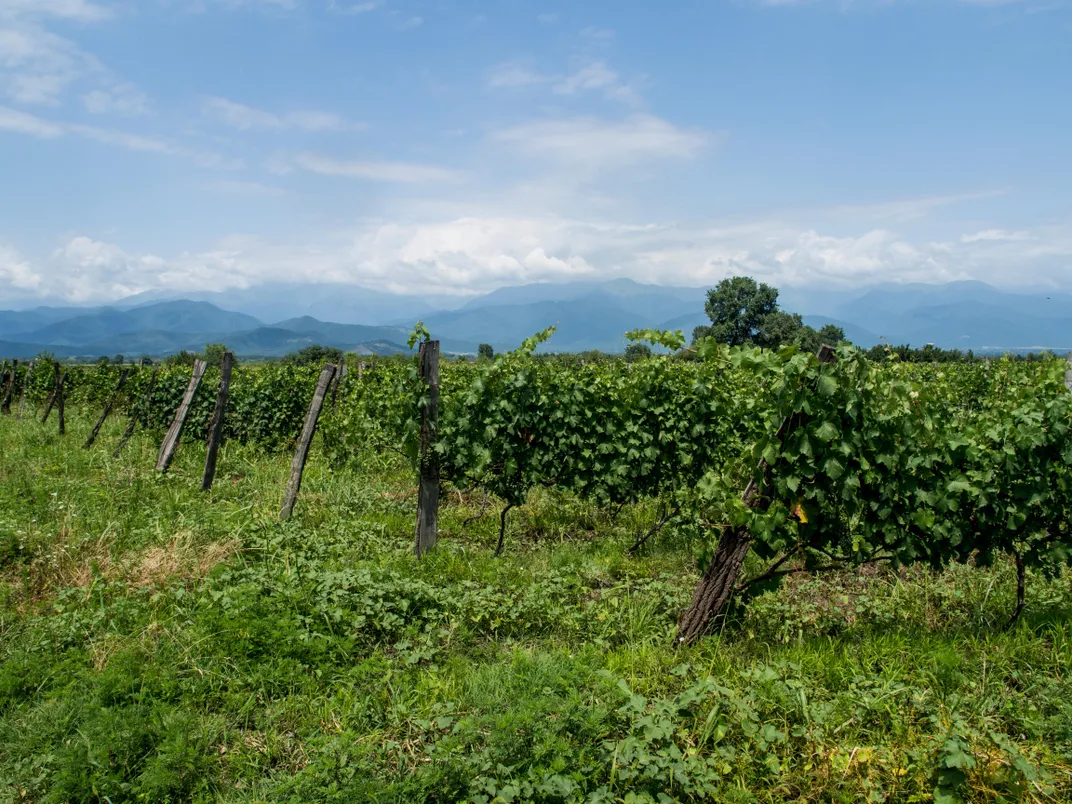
[
  {"x": 25, "y": 385},
  {"x": 297, "y": 466},
  {"x": 1068, "y": 373},
  {"x": 123, "y": 375},
  {"x": 215, "y": 430},
  {"x": 135, "y": 411},
  {"x": 171, "y": 440},
  {"x": 340, "y": 375},
  {"x": 55, "y": 391},
  {"x": 5, "y": 406},
  {"x": 60, "y": 395},
  {"x": 23, "y": 389},
  {"x": 428, "y": 493}
]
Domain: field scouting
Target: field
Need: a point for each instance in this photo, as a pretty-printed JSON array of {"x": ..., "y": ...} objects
[{"x": 162, "y": 644}]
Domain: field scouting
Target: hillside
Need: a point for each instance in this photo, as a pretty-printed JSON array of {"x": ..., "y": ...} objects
[{"x": 589, "y": 315}]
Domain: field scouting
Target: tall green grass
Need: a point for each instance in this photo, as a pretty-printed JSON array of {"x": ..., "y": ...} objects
[{"x": 160, "y": 644}]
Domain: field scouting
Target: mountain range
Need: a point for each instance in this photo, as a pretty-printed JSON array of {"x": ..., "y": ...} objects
[{"x": 272, "y": 320}]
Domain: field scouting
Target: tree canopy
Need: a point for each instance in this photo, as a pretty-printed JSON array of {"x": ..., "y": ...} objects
[{"x": 743, "y": 311}]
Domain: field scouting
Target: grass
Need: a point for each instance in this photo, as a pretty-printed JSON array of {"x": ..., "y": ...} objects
[{"x": 160, "y": 644}]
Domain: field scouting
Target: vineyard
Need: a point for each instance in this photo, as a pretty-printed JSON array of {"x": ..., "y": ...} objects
[{"x": 710, "y": 574}]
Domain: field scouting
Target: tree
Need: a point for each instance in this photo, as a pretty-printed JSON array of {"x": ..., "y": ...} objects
[
  {"x": 145, "y": 360},
  {"x": 314, "y": 355},
  {"x": 213, "y": 354},
  {"x": 737, "y": 307},
  {"x": 183, "y": 358},
  {"x": 742, "y": 312},
  {"x": 637, "y": 351},
  {"x": 118, "y": 360},
  {"x": 832, "y": 334},
  {"x": 485, "y": 351},
  {"x": 780, "y": 328}
]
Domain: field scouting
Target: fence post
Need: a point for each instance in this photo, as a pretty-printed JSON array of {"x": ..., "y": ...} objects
[
  {"x": 5, "y": 406},
  {"x": 1068, "y": 373},
  {"x": 171, "y": 440},
  {"x": 297, "y": 466},
  {"x": 142, "y": 403},
  {"x": 55, "y": 390},
  {"x": 428, "y": 494},
  {"x": 123, "y": 375},
  {"x": 340, "y": 375},
  {"x": 215, "y": 432},
  {"x": 22, "y": 392},
  {"x": 59, "y": 403}
]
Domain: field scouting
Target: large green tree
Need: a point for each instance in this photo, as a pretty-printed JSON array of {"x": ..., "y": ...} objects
[
  {"x": 737, "y": 308},
  {"x": 744, "y": 311}
]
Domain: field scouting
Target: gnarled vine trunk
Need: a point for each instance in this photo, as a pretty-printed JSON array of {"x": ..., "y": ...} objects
[{"x": 716, "y": 588}]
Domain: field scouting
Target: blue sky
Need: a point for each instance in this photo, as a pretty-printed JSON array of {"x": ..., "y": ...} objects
[{"x": 442, "y": 147}]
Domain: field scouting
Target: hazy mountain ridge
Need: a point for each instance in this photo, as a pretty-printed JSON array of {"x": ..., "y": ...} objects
[{"x": 588, "y": 315}]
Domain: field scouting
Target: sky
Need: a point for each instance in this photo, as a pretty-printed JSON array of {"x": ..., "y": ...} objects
[{"x": 449, "y": 147}]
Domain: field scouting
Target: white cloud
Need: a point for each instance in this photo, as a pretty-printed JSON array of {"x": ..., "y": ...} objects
[
  {"x": 17, "y": 273},
  {"x": 513, "y": 74},
  {"x": 405, "y": 172},
  {"x": 39, "y": 67},
  {"x": 591, "y": 143},
  {"x": 24, "y": 123},
  {"x": 122, "y": 99},
  {"x": 589, "y": 76},
  {"x": 79, "y": 10},
  {"x": 352, "y": 8},
  {"x": 995, "y": 235},
  {"x": 465, "y": 255},
  {"x": 244, "y": 117}
]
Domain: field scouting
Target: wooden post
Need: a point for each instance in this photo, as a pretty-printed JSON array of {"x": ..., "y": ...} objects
[
  {"x": 5, "y": 406},
  {"x": 340, "y": 375},
  {"x": 25, "y": 385},
  {"x": 1068, "y": 373},
  {"x": 297, "y": 466},
  {"x": 59, "y": 404},
  {"x": 428, "y": 494},
  {"x": 143, "y": 403},
  {"x": 215, "y": 431},
  {"x": 123, "y": 375},
  {"x": 55, "y": 391},
  {"x": 171, "y": 440}
]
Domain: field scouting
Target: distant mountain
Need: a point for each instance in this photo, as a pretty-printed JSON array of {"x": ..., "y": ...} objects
[
  {"x": 588, "y": 323},
  {"x": 652, "y": 302},
  {"x": 14, "y": 322},
  {"x": 276, "y": 301},
  {"x": 962, "y": 315},
  {"x": 589, "y": 315},
  {"x": 175, "y": 317},
  {"x": 853, "y": 332}
]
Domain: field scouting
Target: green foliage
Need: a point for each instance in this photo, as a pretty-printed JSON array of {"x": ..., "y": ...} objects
[
  {"x": 183, "y": 358},
  {"x": 485, "y": 351},
  {"x": 213, "y": 354},
  {"x": 743, "y": 312},
  {"x": 738, "y": 307},
  {"x": 161, "y": 645},
  {"x": 314, "y": 356}
]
